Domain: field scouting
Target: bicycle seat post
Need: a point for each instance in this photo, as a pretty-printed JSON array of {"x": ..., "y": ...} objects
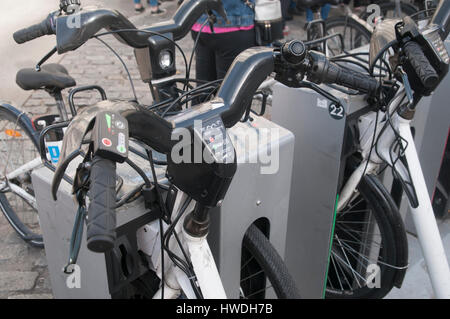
[{"x": 56, "y": 94}]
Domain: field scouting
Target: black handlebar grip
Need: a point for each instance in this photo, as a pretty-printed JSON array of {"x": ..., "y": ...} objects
[
  {"x": 356, "y": 80},
  {"x": 101, "y": 222},
  {"x": 35, "y": 31},
  {"x": 322, "y": 70},
  {"x": 422, "y": 67}
]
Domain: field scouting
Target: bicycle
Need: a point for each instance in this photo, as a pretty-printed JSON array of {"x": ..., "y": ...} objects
[
  {"x": 356, "y": 29},
  {"x": 367, "y": 217},
  {"x": 368, "y": 228},
  {"x": 182, "y": 229},
  {"x": 321, "y": 31},
  {"x": 20, "y": 135}
]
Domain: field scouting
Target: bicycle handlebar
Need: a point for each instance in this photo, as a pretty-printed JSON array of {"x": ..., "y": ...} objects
[
  {"x": 46, "y": 27},
  {"x": 74, "y": 30},
  {"x": 422, "y": 66},
  {"x": 322, "y": 70},
  {"x": 245, "y": 75},
  {"x": 101, "y": 221}
]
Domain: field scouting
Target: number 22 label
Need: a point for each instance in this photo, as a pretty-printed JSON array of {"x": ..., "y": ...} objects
[{"x": 336, "y": 111}]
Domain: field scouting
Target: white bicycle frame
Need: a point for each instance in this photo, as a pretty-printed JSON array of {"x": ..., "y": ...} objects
[
  {"x": 423, "y": 215},
  {"x": 29, "y": 166},
  {"x": 199, "y": 253},
  {"x": 176, "y": 281}
]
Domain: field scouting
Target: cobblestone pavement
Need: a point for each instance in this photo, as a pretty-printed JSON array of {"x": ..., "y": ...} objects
[{"x": 23, "y": 269}]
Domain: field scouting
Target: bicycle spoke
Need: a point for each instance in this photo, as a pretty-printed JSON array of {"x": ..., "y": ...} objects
[
  {"x": 348, "y": 261},
  {"x": 257, "y": 292},
  {"x": 356, "y": 231},
  {"x": 356, "y": 273},
  {"x": 352, "y": 222},
  {"x": 337, "y": 273},
  {"x": 362, "y": 244},
  {"x": 344, "y": 272},
  {"x": 247, "y": 262},
  {"x": 252, "y": 275},
  {"x": 359, "y": 254}
]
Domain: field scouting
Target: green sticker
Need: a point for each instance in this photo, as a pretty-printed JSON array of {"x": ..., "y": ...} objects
[{"x": 108, "y": 120}]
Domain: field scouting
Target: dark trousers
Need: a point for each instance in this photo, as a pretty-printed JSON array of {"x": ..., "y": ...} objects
[{"x": 216, "y": 52}]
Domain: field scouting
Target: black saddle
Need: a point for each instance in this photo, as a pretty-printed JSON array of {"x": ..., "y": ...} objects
[
  {"x": 51, "y": 77},
  {"x": 315, "y": 3}
]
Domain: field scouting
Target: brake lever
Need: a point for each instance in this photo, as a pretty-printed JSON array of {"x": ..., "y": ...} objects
[
  {"x": 45, "y": 58},
  {"x": 335, "y": 101},
  {"x": 407, "y": 85}
]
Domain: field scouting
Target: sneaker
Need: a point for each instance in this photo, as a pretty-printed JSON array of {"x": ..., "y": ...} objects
[
  {"x": 139, "y": 9},
  {"x": 157, "y": 11}
]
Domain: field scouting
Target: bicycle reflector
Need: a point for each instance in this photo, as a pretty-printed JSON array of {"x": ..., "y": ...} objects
[{"x": 13, "y": 133}]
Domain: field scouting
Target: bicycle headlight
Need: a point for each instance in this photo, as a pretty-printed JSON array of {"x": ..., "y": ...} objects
[
  {"x": 165, "y": 59},
  {"x": 157, "y": 61}
]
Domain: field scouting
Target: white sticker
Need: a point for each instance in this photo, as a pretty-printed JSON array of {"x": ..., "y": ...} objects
[
  {"x": 216, "y": 105},
  {"x": 54, "y": 151},
  {"x": 323, "y": 103},
  {"x": 121, "y": 143}
]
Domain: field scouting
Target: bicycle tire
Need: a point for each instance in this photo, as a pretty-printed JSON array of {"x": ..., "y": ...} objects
[
  {"x": 23, "y": 123},
  {"x": 270, "y": 263},
  {"x": 348, "y": 22},
  {"x": 393, "y": 239}
]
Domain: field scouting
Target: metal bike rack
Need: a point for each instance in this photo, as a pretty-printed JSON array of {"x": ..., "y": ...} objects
[
  {"x": 252, "y": 196},
  {"x": 314, "y": 188}
]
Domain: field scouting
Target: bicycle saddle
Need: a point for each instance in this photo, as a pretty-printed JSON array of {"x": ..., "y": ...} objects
[
  {"x": 316, "y": 3},
  {"x": 51, "y": 76}
]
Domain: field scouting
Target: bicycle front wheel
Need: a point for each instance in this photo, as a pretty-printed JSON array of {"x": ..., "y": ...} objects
[
  {"x": 263, "y": 272},
  {"x": 369, "y": 236},
  {"x": 354, "y": 34},
  {"x": 17, "y": 201}
]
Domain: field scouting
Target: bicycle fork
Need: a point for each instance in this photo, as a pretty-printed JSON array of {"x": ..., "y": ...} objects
[
  {"x": 423, "y": 215},
  {"x": 198, "y": 251},
  {"x": 425, "y": 221}
]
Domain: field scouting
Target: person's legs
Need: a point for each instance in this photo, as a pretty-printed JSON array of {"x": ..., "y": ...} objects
[
  {"x": 284, "y": 11},
  {"x": 325, "y": 11},
  {"x": 229, "y": 45},
  {"x": 309, "y": 15},
  {"x": 205, "y": 62},
  {"x": 154, "y": 7},
  {"x": 292, "y": 4},
  {"x": 138, "y": 6},
  {"x": 153, "y": 3}
]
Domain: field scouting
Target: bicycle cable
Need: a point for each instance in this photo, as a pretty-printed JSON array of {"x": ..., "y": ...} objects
[
  {"x": 380, "y": 53},
  {"x": 193, "y": 50},
  {"x": 203, "y": 86},
  {"x": 185, "y": 266},
  {"x": 123, "y": 64},
  {"x": 152, "y": 33}
]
